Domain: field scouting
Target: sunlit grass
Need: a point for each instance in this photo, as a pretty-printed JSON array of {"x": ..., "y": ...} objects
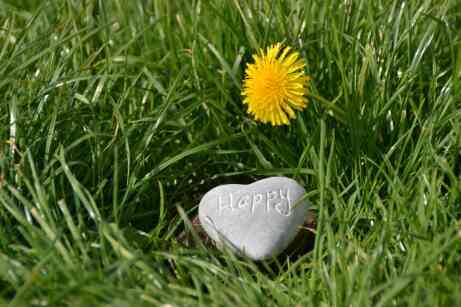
[{"x": 118, "y": 116}]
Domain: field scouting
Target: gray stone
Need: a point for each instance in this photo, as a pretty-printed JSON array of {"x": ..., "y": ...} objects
[{"x": 258, "y": 220}]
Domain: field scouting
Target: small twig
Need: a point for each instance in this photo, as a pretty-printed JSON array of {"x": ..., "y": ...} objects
[{"x": 12, "y": 139}]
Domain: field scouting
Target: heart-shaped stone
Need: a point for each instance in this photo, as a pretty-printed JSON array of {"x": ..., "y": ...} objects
[{"x": 258, "y": 220}]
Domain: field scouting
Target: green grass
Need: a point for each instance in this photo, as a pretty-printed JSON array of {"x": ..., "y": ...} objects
[{"x": 124, "y": 113}]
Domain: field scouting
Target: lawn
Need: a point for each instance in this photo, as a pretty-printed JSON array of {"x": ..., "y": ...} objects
[{"x": 118, "y": 116}]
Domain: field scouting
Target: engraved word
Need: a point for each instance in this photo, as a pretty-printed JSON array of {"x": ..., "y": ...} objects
[{"x": 276, "y": 200}]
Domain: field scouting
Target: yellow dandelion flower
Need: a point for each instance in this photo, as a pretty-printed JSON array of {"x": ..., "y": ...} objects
[{"x": 275, "y": 84}]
